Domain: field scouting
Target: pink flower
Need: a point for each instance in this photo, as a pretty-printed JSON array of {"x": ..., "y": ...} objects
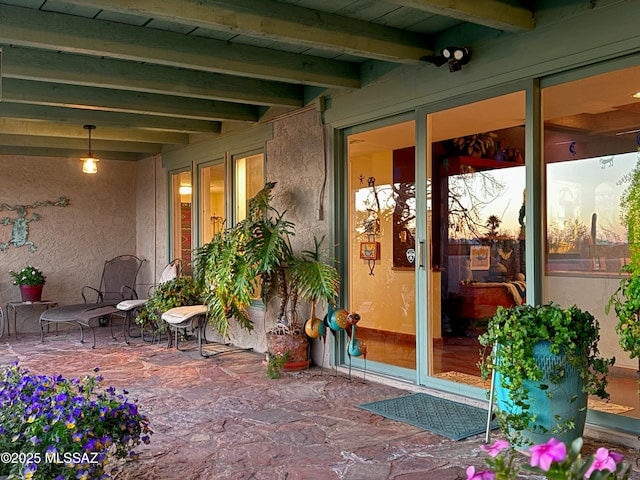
[
  {"x": 496, "y": 448},
  {"x": 603, "y": 461},
  {"x": 552, "y": 451},
  {"x": 483, "y": 475}
]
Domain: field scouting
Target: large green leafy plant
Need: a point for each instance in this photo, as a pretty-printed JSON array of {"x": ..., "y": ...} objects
[
  {"x": 254, "y": 259},
  {"x": 626, "y": 299},
  {"x": 242, "y": 262},
  {"x": 313, "y": 278},
  {"x": 572, "y": 332}
]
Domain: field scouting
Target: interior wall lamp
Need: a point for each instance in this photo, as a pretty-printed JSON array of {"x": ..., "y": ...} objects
[
  {"x": 90, "y": 163},
  {"x": 454, "y": 56},
  {"x": 185, "y": 190}
]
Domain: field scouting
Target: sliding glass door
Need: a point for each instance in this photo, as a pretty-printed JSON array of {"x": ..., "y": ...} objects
[{"x": 381, "y": 245}]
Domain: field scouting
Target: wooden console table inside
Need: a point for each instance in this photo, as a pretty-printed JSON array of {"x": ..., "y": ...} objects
[
  {"x": 14, "y": 307},
  {"x": 481, "y": 300}
]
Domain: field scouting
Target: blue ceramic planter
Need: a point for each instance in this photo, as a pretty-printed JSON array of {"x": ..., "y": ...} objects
[{"x": 552, "y": 407}]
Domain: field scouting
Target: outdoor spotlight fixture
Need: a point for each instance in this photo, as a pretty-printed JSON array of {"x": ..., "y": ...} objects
[
  {"x": 90, "y": 163},
  {"x": 456, "y": 56}
]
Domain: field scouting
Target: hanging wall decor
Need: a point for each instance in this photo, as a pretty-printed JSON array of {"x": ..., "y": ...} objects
[
  {"x": 20, "y": 225},
  {"x": 370, "y": 250}
]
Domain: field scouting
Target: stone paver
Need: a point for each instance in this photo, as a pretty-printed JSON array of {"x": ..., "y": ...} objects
[{"x": 223, "y": 418}]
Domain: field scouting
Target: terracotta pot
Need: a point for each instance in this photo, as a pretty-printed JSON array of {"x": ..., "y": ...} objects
[
  {"x": 296, "y": 345},
  {"x": 31, "y": 293}
]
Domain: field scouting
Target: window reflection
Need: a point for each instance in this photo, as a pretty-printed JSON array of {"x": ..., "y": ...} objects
[
  {"x": 477, "y": 186},
  {"x": 584, "y": 230},
  {"x": 381, "y": 208},
  {"x": 590, "y": 146}
]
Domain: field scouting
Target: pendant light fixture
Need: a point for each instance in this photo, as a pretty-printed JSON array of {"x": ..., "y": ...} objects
[{"x": 90, "y": 163}]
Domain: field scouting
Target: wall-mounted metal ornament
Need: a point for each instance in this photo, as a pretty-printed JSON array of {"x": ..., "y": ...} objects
[
  {"x": 370, "y": 250},
  {"x": 20, "y": 225}
]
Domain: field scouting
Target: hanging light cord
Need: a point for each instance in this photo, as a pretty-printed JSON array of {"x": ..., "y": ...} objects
[{"x": 90, "y": 127}]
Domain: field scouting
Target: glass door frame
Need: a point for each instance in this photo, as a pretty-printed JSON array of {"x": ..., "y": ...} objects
[
  {"x": 619, "y": 423},
  {"x": 534, "y": 183},
  {"x": 338, "y": 347}
]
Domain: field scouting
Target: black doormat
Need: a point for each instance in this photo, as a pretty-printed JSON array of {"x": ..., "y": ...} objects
[{"x": 444, "y": 417}]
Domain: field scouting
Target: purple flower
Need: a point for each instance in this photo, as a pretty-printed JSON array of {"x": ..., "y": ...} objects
[
  {"x": 543, "y": 455},
  {"x": 483, "y": 475},
  {"x": 617, "y": 457},
  {"x": 495, "y": 449},
  {"x": 603, "y": 461}
]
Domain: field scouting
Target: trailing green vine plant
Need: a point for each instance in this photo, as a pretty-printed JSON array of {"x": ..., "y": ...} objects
[
  {"x": 626, "y": 299},
  {"x": 177, "y": 292},
  {"x": 516, "y": 330}
]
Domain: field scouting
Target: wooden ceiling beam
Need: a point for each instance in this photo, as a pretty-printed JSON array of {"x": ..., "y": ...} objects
[
  {"x": 76, "y": 96},
  {"x": 67, "y": 33},
  {"x": 46, "y": 65},
  {"x": 16, "y": 151},
  {"x": 80, "y": 144},
  {"x": 12, "y": 126},
  {"x": 489, "y": 13},
  {"x": 268, "y": 19},
  {"x": 99, "y": 118}
]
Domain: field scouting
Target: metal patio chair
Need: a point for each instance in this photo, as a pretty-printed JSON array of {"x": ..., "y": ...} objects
[
  {"x": 130, "y": 308},
  {"x": 117, "y": 283}
]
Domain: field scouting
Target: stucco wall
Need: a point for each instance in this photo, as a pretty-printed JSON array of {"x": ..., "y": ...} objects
[
  {"x": 72, "y": 242},
  {"x": 151, "y": 219}
]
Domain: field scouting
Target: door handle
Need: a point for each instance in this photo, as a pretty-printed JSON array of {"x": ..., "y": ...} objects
[{"x": 421, "y": 262}]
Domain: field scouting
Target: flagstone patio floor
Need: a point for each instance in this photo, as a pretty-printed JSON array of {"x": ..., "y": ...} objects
[{"x": 224, "y": 418}]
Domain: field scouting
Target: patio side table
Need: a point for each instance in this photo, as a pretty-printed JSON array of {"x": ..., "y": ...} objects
[{"x": 14, "y": 307}]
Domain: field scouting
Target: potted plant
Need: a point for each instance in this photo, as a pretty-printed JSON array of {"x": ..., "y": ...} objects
[
  {"x": 626, "y": 299},
  {"x": 66, "y": 428},
  {"x": 477, "y": 145},
  {"x": 255, "y": 258},
  {"x": 313, "y": 279},
  {"x": 287, "y": 276},
  {"x": 241, "y": 262},
  {"x": 31, "y": 281},
  {"x": 177, "y": 292},
  {"x": 552, "y": 460},
  {"x": 545, "y": 361}
]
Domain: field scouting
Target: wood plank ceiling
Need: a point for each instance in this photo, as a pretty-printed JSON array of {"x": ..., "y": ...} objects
[{"x": 156, "y": 74}]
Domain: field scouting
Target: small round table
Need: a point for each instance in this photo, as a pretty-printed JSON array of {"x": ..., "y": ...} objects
[{"x": 13, "y": 307}]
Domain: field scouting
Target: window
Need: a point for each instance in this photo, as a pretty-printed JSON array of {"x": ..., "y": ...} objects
[
  {"x": 249, "y": 180},
  {"x": 590, "y": 146},
  {"x": 212, "y": 200},
  {"x": 181, "y": 195}
]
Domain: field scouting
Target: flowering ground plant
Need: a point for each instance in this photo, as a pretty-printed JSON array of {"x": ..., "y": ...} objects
[
  {"x": 552, "y": 460},
  {"x": 54, "y": 428},
  {"x": 29, "y": 276}
]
